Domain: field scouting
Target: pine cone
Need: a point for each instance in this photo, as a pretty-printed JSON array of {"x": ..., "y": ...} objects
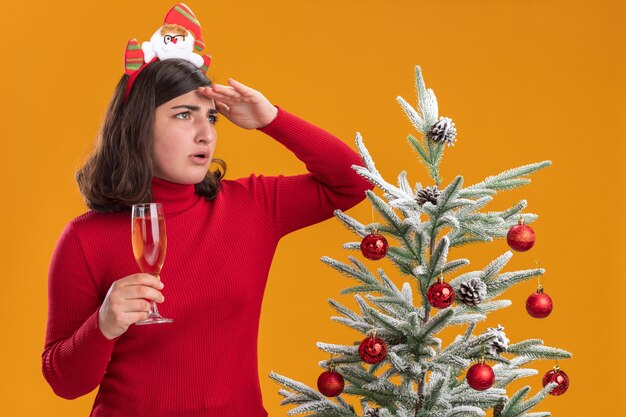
[
  {"x": 473, "y": 292},
  {"x": 443, "y": 131},
  {"x": 372, "y": 412},
  {"x": 430, "y": 193},
  {"x": 500, "y": 343}
]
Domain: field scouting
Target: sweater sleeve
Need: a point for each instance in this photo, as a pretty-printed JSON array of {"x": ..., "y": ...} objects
[
  {"x": 76, "y": 353},
  {"x": 294, "y": 202}
]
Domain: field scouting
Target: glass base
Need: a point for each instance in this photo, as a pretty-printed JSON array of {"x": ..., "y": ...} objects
[
  {"x": 155, "y": 320},
  {"x": 154, "y": 317}
]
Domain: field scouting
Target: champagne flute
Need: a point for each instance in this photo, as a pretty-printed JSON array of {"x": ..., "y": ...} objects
[{"x": 149, "y": 246}]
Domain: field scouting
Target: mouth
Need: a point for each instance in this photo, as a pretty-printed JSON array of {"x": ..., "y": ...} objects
[{"x": 200, "y": 158}]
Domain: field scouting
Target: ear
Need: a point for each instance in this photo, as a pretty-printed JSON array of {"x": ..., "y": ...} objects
[{"x": 133, "y": 57}]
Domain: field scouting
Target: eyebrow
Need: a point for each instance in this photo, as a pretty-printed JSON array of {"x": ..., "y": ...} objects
[{"x": 194, "y": 108}]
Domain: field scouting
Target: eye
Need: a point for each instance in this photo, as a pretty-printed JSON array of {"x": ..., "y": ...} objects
[
  {"x": 212, "y": 118},
  {"x": 184, "y": 115}
]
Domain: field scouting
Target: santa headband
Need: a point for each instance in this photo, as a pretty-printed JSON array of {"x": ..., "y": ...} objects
[{"x": 179, "y": 36}]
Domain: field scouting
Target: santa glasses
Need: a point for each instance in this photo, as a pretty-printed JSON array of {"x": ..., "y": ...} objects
[{"x": 173, "y": 38}]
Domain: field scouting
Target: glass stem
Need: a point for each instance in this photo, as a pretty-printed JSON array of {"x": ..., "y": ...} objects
[{"x": 154, "y": 311}]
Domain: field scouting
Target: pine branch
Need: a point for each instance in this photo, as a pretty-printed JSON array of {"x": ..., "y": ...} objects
[
  {"x": 370, "y": 172},
  {"x": 434, "y": 393},
  {"x": 414, "y": 117},
  {"x": 510, "y": 179},
  {"x": 437, "y": 259},
  {"x": 517, "y": 407},
  {"x": 536, "y": 351},
  {"x": 492, "y": 270},
  {"x": 508, "y": 279},
  {"x": 344, "y": 310},
  {"x": 482, "y": 308},
  {"x": 417, "y": 146},
  {"x": 465, "y": 411},
  {"x": 463, "y": 394},
  {"x": 296, "y": 386},
  {"x": 351, "y": 223},
  {"x": 435, "y": 323},
  {"x": 386, "y": 212},
  {"x": 422, "y": 119},
  {"x": 364, "y": 276},
  {"x": 426, "y": 99},
  {"x": 507, "y": 373}
]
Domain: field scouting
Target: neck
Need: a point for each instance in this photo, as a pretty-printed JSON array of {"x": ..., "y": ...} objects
[{"x": 174, "y": 197}]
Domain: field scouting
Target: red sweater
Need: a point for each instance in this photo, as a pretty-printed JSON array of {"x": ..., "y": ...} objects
[{"x": 218, "y": 257}]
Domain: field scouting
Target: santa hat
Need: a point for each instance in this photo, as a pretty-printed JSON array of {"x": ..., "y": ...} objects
[{"x": 183, "y": 16}]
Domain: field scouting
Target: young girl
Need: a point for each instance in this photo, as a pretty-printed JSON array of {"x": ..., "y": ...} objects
[{"x": 156, "y": 144}]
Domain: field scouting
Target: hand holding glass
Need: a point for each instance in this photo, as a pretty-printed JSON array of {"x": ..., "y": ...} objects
[{"x": 149, "y": 246}]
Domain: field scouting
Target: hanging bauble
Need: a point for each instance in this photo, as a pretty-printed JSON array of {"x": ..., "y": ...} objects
[
  {"x": 440, "y": 294},
  {"x": 330, "y": 383},
  {"x": 539, "y": 305},
  {"x": 374, "y": 246},
  {"x": 521, "y": 237},
  {"x": 372, "y": 350},
  {"x": 480, "y": 376},
  {"x": 558, "y": 376}
]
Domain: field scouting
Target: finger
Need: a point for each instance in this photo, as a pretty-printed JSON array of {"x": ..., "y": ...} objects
[
  {"x": 136, "y": 306},
  {"x": 209, "y": 92},
  {"x": 135, "y": 317},
  {"x": 226, "y": 91},
  {"x": 137, "y": 292},
  {"x": 222, "y": 108},
  {"x": 142, "y": 279},
  {"x": 242, "y": 89},
  {"x": 225, "y": 98}
]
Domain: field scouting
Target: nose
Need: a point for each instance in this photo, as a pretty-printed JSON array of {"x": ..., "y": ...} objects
[{"x": 206, "y": 132}]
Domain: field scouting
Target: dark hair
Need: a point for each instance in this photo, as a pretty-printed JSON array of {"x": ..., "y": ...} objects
[{"x": 118, "y": 173}]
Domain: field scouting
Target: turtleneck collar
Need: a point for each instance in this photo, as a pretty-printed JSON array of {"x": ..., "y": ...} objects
[{"x": 174, "y": 197}]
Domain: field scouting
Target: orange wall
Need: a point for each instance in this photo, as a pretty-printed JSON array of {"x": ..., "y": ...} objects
[{"x": 523, "y": 80}]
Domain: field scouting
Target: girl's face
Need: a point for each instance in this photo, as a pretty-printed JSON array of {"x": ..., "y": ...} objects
[{"x": 184, "y": 138}]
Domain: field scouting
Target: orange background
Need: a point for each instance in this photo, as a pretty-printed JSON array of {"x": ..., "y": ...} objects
[{"x": 523, "y": 80}]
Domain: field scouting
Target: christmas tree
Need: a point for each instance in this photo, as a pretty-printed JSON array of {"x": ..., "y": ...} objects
[{"x": 401, "y": 367}]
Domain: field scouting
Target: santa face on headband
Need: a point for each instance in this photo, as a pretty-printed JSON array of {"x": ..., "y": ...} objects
[{"x": 171, "y": 41}]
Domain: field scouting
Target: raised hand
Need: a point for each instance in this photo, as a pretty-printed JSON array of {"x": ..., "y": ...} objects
[{"x": 242, "y": 105}]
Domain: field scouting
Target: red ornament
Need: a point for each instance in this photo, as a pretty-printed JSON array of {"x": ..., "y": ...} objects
[
  {"x": 539, "y": 305},
  {"x": 440, "y": 295},
  {"x": 558, "y": 376},
  {"x": 330, "y": 383},
  {"x": 372, "y": 350},
  {"x": 480, "y": 376},
  {"x": 374, "y": 246},
  {"x": 521, "y": 237}
]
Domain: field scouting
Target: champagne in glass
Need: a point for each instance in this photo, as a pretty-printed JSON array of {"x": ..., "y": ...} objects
[{"x": 149, "y": 246}]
